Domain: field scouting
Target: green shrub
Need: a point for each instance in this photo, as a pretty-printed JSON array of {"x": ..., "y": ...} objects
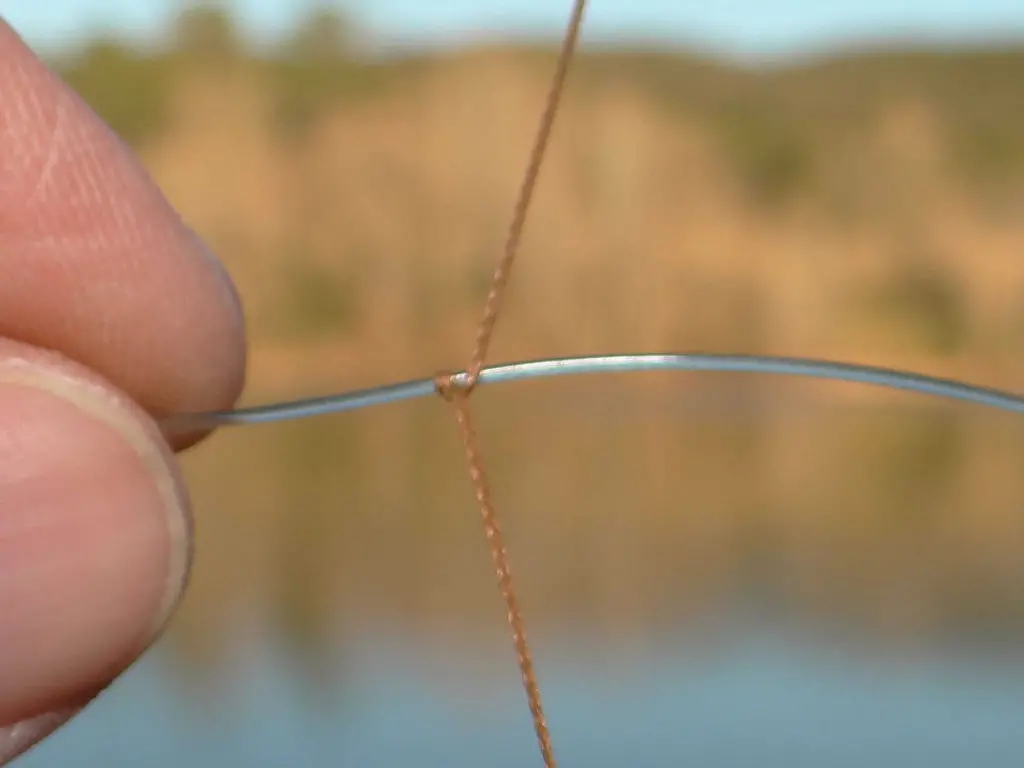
[
  {"x": 313, "y": 300},
  {"x": 926, "y": 302},
  {"x": 770, "y": 156},
  {"x": 128, "y": 90}
]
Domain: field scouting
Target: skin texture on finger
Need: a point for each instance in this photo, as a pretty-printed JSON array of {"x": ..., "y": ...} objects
[
  {"x": 94, "y": 539},
  {"x": 95, "y": 262}
]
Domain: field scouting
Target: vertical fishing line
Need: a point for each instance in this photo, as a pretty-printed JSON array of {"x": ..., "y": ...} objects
[{"x": 457, "y": 392}]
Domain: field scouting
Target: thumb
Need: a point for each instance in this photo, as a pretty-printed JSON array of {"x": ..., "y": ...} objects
[{"x": 94, "y": 539}]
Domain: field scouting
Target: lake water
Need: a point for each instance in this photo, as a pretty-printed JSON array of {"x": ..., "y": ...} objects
[
  {"x": 832, "y": 584},
  {"x": 764, "y": 701}
]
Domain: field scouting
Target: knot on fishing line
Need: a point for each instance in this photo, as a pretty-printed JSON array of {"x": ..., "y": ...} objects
[{"x": 450, "y": 385}]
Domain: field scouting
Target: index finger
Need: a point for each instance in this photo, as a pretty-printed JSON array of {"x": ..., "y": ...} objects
[{"x": 95, "y": 262}]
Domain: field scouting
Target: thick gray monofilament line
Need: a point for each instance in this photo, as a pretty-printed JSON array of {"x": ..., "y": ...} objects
[{"x": 536, "y": 369}]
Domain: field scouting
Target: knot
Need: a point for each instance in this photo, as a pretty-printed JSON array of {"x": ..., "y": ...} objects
[{"x": 448, "y": 386}]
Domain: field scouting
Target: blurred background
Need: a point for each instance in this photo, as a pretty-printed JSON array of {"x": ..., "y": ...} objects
[{"x": 720, "y": 569}]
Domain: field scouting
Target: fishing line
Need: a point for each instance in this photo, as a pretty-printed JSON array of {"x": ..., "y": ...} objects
[{"x": 539, "y": 369}]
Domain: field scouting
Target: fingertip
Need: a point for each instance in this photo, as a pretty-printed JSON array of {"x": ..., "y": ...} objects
[
  {"x": 96, "y": 262},
  {"x": 95, "y": 540}
]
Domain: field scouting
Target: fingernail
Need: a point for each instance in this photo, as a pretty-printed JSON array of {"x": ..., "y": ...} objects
[
  {"x": 16, "y": 739},
  {"x": 94, "y": 535}
]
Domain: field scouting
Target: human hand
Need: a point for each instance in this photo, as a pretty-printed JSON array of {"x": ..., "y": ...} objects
[{"x": 112, "y": 313}]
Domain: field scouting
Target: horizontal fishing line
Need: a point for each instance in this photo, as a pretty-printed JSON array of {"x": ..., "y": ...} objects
[{"x": 546, "y": 368}]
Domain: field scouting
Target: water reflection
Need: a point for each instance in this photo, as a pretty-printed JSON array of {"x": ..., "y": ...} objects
[
  {"x": 628, "y": 508},
  {"x": 344, "y": 609}
]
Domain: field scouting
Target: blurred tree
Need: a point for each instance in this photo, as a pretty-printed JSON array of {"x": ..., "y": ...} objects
[
  {"x": 314, "y": 68},
  {"x": 324, "y": 35},
  {"x": 127, "y": 89},
  {"x": 923, "y": 305},
  {"x": 771, "y": 155},
  {"x": 205, "y": 29}
]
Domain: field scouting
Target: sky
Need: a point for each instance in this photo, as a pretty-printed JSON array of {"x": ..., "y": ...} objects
[{"x": 744, "y": 29}]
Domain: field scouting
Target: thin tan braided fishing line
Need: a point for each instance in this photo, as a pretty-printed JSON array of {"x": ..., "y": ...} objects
[{"x": 457, "y": 393}]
